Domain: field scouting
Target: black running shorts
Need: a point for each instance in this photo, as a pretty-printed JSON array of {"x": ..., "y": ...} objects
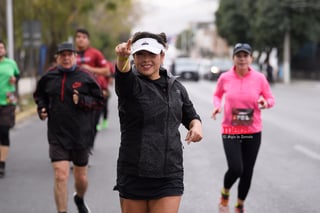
[
  {"x": 142, "y": 188},
  {"x": 79, "y": 157}
]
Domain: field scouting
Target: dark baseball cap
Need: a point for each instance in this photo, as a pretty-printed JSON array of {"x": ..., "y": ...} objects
[
  {"x": 242, "y": 47},
  {"x": 65, "y": 46}
]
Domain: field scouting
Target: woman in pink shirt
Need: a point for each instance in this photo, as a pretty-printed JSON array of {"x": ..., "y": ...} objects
[{"x": 245, "y": 92}]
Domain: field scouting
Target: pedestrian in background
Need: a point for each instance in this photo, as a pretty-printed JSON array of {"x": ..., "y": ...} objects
[
  {"x": 9, "y": 75},
  {"x": 93, "y": 60},
  {"x": 68, "y": 95},
  {"x": 152, "y": 104},
  {"x": 105, "y": 87},
  {"x": 245, "y": 92},
  {"x": 269, "y": 71}
]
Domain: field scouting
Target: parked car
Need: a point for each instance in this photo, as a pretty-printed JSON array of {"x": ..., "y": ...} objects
[
  {"x": 218, "y": 66},
  {"x": 186, "y": 68}
]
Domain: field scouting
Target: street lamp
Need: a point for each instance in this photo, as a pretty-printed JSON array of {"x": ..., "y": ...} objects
[{"x": 10, "y": 29}]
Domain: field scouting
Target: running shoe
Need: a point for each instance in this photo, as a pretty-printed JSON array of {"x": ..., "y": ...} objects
[
  {"x": 104, "y": 124},
  {"x": 224, "y": 200},
  {"x": 223, "y": 209},
  {"x": 99, "y": 127},
  {"x": 239, "y": 210},
  {"x": 81, "y": 204}
]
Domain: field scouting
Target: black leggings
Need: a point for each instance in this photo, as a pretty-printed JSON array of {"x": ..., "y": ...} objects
[
  {"x": 241, "y": 153},
  {"x": 105, "y": 109},
  {"x": 4, "y": 135}
]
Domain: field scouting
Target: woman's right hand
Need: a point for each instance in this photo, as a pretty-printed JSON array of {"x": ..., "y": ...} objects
[{"x": 123, "y": 50}]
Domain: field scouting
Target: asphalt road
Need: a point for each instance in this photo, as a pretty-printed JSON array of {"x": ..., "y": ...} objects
[{"x": 286, "y": 177}]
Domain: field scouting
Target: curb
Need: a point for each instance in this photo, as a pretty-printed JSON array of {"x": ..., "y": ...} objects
[{"x": 23, "y": 115}]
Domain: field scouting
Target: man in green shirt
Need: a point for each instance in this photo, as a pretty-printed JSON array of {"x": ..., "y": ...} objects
[{"x": 9, "y": 74}]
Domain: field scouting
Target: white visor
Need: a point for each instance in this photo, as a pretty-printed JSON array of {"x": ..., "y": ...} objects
[{"x": 148, "y": 44}]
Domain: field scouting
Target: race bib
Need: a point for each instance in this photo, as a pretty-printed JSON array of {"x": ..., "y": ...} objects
[
  {"x": 242, "y": 117},
  {"x": 11, "y": 98}
]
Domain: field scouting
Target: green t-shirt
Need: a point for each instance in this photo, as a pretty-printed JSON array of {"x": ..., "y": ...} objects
[{"x": 8, "y": 68}]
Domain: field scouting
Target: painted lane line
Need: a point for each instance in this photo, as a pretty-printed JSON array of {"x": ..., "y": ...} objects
[{"x": 307, "y": 152}]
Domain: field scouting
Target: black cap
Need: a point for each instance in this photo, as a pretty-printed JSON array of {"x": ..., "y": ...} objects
[
  {"x": 65, "y": 46},
  {"x": 242, "y": 47}
]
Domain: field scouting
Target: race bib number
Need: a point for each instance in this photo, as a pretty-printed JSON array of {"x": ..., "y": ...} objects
[{"x": 242, "y": 117}]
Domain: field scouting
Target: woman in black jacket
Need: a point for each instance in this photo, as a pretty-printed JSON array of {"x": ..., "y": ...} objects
[{"x": 152, "y": 104}]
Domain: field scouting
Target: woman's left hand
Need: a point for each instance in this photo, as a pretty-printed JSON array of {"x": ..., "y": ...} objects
[{"x": 262, "y": 103}]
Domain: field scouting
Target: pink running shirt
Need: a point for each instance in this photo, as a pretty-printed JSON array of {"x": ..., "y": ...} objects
[{"x": 241, "y": 113}]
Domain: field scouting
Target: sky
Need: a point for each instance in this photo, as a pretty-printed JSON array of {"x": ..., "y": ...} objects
[{"x": 174, "y": 16}]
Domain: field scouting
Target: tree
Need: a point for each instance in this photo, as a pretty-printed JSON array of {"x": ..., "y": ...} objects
[
  {"x": 264, "y": 23},
  {"x": 304, "y": 20},
  {"x": 184, "y": 41},
  {"x": 2, "y": 19},
  {"x": 113, "y": 26},
  {"x": 268, "y": 25},
  {"x": 108, "y": 20},
  {"x": 232, "y": 22}
]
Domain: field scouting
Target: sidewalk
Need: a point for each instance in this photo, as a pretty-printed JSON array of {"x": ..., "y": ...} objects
[
  {"x": 21, "y": 116},
  {"x": 26, "y": 86}
]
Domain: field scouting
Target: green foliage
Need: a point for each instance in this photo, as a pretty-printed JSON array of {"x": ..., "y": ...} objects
[
  {"x": 232, "y": 22},
  {"x": 264, "y": 23},
  {"x": 184, "y": 41},
  {"x": 269, "y": 25},
  {"x": 108, "y": 21}
]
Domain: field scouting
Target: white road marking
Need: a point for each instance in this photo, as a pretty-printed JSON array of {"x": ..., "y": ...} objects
[{"x": 307, "y": 152}]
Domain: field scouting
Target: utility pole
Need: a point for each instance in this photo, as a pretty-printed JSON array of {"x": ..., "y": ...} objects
[
  {"x": 292, "y": 8},
  {"x": 10, "y": 29},
  {"x": 286, "y": 58}
]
